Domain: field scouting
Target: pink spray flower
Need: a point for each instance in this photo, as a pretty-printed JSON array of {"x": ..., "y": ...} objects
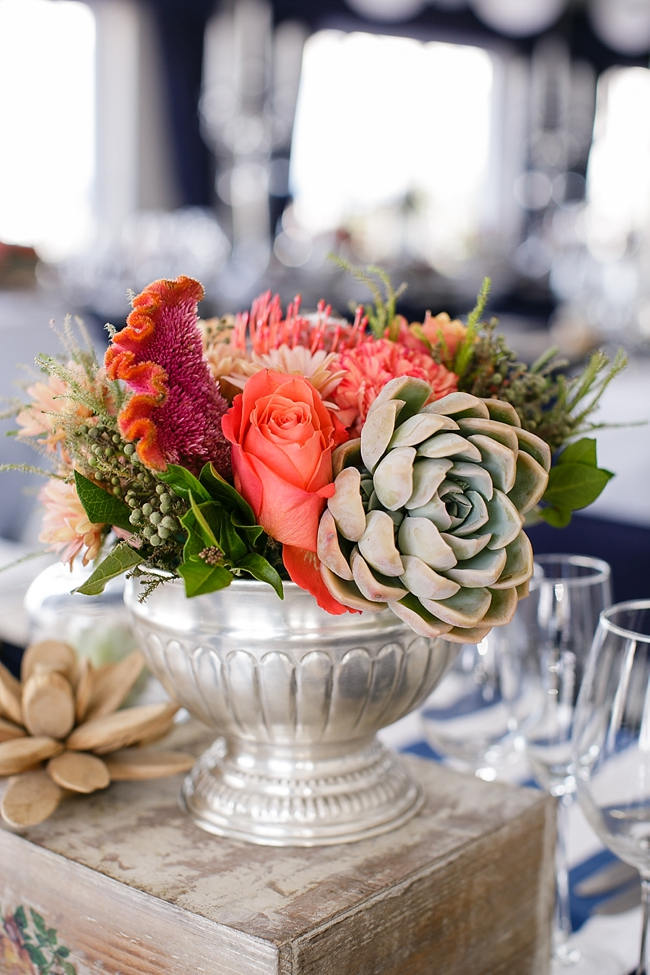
[{"x": 66, "y": 528}]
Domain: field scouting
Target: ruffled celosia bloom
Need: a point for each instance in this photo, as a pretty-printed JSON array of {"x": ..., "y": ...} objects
[
  {"x": 368, "y": 367},
  {"x": 175, "y": 410},
  {"x": 52, "y": 408},
  {"x": 66, "y": 528},
  {"x": 283, "y": 436}
]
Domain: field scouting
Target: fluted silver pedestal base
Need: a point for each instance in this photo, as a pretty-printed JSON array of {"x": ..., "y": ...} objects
[{"x": 280, "y": 798}]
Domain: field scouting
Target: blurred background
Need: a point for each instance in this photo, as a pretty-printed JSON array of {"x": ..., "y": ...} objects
[{"x": 243, "y": 141}]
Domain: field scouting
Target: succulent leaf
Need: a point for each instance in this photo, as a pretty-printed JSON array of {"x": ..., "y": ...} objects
[{"x": 434, "y": 496}]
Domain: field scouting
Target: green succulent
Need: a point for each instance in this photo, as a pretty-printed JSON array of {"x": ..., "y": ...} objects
[{"x": 428, "y": 511}]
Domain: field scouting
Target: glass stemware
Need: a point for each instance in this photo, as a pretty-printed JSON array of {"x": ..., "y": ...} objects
[
  {"x": 472, "y": 718},
  {"x": 553, "y": 629},
  {"x": 611, "y": 743}
]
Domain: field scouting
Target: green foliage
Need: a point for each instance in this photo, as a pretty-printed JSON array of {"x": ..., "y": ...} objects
[
  {"x": 381, "y": 315},
  {"x": 119, "y": 560},
  {"x": 223, "y": 540},
  {"x": 101, "y": 507},
  {"x": 575, "y": 481},
  {"x": 464, "y": 352}
]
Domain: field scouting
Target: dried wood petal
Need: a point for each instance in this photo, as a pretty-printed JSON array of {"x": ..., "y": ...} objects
[
  {"x": 30, "y": 798},
  {"x": 144, "y": 763},
  {"x": 10, "y": 696},
  {"x": 9, "y": 730},
  {"x": 50, "y": 655},
  {"x": 48, "y": 704},
  {"x": 79, "y": 772},
  {"x": 112, "y": 684},
  {"x": 83, "y": 693},
  {"x": 113, "y": 731},
  {"x": 20, "y": 754}
]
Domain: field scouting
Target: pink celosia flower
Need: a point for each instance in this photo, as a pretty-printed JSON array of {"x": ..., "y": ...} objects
[
  {"x": 51, "y": 406},
  {"x": 66, "y": 528},
  {"x": 371, "y": 365},
  {"x": 174, "y": 413}
]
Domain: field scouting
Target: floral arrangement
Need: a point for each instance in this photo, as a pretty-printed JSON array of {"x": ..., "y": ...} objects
[{"x": 372, "y": 460}]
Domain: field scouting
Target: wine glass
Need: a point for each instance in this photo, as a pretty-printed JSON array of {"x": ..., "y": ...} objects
[
  {"x": 611, "y": 743},
  {"x": 472, "y": 717},
  {"x": 554, "y": 628}
]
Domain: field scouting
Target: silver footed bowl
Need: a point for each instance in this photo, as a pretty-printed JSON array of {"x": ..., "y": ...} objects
[{"x": 296, "y": 696}]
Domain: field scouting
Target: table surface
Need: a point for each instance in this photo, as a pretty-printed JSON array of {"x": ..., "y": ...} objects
[{"x": 613, "y": 917}]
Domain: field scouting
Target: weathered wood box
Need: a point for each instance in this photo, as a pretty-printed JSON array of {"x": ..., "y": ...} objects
[{"x": 123, "y": 882}]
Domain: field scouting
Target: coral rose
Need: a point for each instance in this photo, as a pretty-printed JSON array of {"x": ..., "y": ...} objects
[{"x": 282, "y": 438}]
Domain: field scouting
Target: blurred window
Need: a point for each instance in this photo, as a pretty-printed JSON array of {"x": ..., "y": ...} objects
[
  {"x": 618, "y": 191},
  {"x": 47, "y": 120},
  {"x": 392, "y": 142}
]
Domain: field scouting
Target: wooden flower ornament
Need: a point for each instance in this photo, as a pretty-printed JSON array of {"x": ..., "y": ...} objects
[{"x": 60, "y": 730}]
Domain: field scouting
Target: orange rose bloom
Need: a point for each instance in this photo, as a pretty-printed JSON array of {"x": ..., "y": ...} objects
[{"x": 282, "y": 438}]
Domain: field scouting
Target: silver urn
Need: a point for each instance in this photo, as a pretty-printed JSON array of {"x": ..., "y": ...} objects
[{"x": 296, "y": 696}]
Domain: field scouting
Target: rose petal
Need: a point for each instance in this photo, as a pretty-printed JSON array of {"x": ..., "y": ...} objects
[{"x": 307, "y": 571}]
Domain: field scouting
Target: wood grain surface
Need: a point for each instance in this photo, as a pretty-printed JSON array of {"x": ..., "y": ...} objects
[{"x": 133, "y": 887}]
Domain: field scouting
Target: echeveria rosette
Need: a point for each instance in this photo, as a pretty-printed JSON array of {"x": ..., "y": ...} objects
[{"x": 428, "y": 511}]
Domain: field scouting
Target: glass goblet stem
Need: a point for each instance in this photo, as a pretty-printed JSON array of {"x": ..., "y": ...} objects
[
  {"x": 645, "y": 923},
  {"x": 562, "y": 933}
]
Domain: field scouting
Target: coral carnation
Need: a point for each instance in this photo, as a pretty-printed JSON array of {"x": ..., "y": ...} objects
[{"x": 374, "y": 363}]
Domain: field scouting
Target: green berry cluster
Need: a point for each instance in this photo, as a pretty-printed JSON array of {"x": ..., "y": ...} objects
[
  {"x": 157, "y": 518},
  {"x": 102, "y": 455}
]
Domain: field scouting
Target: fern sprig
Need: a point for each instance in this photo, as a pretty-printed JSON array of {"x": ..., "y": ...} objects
[
  {"x": 464, "y": 353},
  {"x": 382, "y": 315}
]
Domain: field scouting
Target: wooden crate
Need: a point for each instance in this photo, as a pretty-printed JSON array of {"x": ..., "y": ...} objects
[{"x": 127, "y": 883}]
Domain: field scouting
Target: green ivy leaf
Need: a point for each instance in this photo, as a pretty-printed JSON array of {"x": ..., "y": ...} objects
[
  {"x": 119, "y": 560},
  {"x": 231, "y": 542},
  {"x": 101, "y": 507},
  {"x": 262, "y": 570},
  {"x": 221, "y": 490},
  {"x": 69, "y": 969},
  {"x": 194, "y": 541},
  {"x": 581, "y": 452},
  {"x": 199, "y": 512},
  {"x": 183, "y": 482},
  {"x": 201, "y": 578},
  {"x": 62, "y": 951},
  {"x": 572, "y": 486}
]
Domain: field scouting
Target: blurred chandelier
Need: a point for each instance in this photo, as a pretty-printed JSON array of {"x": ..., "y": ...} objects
[{"x": 624, "y": 25}]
